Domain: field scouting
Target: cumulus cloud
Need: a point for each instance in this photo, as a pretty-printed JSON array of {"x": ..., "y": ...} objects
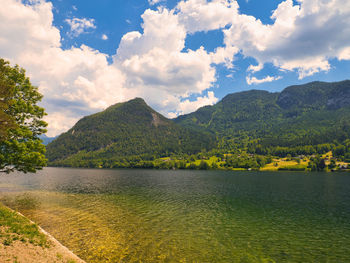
[
  {"x": 154, "y": 2},
  {"x": 202, "y": 15},
  {"x": 156, "y": 66},
  {"x": 256, "y": 68},
  {"x": 24, "y": 27},
  {"x": 224, "y": 55},
  {"x": 188, "y": 106},
  {"x": 344, "y": 54},
  {"x": 161, "y": 29},
  {"x": 253, "y": 80},
  {"x": 80, "y": 25},
  {"x": 104, "y": 37},
  {"x": 303, "y": 37}
]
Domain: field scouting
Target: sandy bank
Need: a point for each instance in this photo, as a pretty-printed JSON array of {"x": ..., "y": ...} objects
[{"x": 21, "y": 252}]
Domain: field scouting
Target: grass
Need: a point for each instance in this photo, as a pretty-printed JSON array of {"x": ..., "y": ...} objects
[
  {"x": 15, "y": 227},
  {"x": 285, "y": 164},
  {"x": 210, "y": 161}
]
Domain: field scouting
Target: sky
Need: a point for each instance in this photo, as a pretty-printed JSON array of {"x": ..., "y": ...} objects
[{"x": 85, "y": 55}]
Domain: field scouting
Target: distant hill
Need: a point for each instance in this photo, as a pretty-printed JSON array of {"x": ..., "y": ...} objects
[
  {"x": 310, "y": 114},
  {"x": 46, "y": 140},
  {"x": 129, "y": 130}
]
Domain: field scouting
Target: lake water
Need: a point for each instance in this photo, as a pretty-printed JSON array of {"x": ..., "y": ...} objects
[{"x": 188, "y": 216}]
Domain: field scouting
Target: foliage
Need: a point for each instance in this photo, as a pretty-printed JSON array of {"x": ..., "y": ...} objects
[
  {"x": 21, "y": 149},
  {"x": 6, "y": 121},
  {"x": 244, "y": 160},
  {"x": 317, "y": 164},
  {"x": 203, "y": 165}
]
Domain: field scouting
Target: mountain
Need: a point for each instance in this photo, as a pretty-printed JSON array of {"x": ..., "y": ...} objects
[
  {"x": 316, "y": 95},
  {"x": 308, "y": 119},
  {"x": 235, "y": 112},
  {"x": 46, "y": 140},
  {"x": 130, "y": 130},
  {"x": 310, "y": 114}
]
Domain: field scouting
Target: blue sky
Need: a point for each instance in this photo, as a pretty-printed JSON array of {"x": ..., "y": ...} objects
[{"x": 178, "y": 55}]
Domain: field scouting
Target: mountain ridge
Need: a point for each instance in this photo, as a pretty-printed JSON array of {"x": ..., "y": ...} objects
[
  {"x": 299, "y": 117},
  {"x": 126, "y": 129}
]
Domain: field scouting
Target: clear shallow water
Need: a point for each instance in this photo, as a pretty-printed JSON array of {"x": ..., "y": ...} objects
[{"x": 188, "y": 216}]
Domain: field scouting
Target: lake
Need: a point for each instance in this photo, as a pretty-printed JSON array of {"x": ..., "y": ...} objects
[{"x": 188, "y": 216}]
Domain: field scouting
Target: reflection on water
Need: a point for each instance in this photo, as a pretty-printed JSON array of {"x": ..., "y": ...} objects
[{"x": 188, "y": 216}]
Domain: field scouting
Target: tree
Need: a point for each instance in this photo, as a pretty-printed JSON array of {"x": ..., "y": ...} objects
[
  {"x": 21, "y": 122},
  {"x": 204, "y": 165},
  {"x": 317, "y": 164},
  {"x": 332, "y": 164},
  {"x": 6, "y": 122}
]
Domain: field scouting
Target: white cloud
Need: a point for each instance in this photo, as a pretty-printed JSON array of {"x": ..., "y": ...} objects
[
  {"x": 344, "y": 54},
  {"x": 253, "y": 80},
  {"x": 201, "y": 15},
  {"x": 224, "y": 55},
  {"x": 188, "y": 106},
  {"x": 154, "y": 2},
  {"x": 256, "y": 68},
  {"x": 156, "y": 66},
  {"x": 161, "y": 29},
  {"x": 25, "y": 27},
  {"x": 80, "y": 25},
  {"x": 303, "y": 37},
  {"x": 63, "y": 119},
  {"x": 104, "y": 37}
]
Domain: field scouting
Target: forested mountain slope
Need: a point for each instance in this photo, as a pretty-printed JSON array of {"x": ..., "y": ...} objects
[
  {"x": 124, "y": 130},
  {"x": 310, "y": 114}
]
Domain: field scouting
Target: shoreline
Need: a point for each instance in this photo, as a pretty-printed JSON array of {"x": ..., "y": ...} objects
[
  {"x": 56, "y": 243},
  {"x": 188, "y": 169},
  {"x": 24, "y": 252}
]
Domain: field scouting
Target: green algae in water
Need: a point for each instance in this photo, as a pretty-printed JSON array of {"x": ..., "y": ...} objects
[{"x": 191, "y": 216}]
